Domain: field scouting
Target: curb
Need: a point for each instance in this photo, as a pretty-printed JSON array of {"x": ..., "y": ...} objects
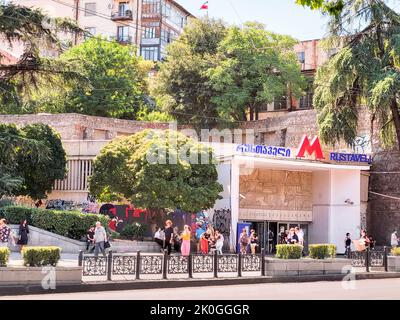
[{"x": 164, "y": 284}]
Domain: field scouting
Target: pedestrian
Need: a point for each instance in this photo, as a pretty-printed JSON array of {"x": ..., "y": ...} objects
[
  {"x": 168, "y": 236},
  {"x": 113, "y": 224},
  {"x": 364, "y": 241},
  {"x": 300, "y": 234},
  {"x": 176, "y": 240},
  {"x": 6, "y": 234},
  {"x": 159, "y": 237},
  {"x": 253, "y": 241},
  {"x": 292, "y": 237},
  {"x": 371, "y": 242},
  {"x": 205, "y": 240},
  {"x": 90, "y": 245},
  {"x": 347, "y": 245},
  {"x": 185, "y": 246},
  {"x": 244, "y": 241},
  {"x": 100, "y": 237},
  {"x": 219, "y": 241},
  {"x": 23, "y": 234},
  {"x": 394, "y": 241}
]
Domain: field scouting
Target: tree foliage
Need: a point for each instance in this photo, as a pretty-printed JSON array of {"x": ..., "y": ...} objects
[
  {"x": 117, "y": 79},
  {"x": 365, "y": 72},
  {"x": 125, "y": 169},
  {"x": 182, "y": 86},
  {"x": 254, "y": 67},
  {"x": 334, "y": 7},
  {"x": 31, "y": 159},
  {"x": 217, "y": 74},
  {"x": 35, "y": 31}
]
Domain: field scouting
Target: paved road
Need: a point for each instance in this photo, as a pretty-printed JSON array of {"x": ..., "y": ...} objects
[{"x": 364, "y": 289}]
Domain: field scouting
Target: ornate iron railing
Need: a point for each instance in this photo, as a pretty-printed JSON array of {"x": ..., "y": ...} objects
[
  {"x": 369, "y": 259},
  {"x": 135, "y": 265}
]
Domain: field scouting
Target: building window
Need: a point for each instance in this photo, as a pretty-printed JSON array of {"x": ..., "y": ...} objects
[
  {"x": 301, "y": 56},
  {"x": 150, "y": 33},
  {"x": 306, "y": 101},
  {"x": 150, "y": 53},
  {"x": 280, "y": 103},
  {"x": 77, "y": 178},
  {"x": 166, "y": 36},
  {"x": 91, "y": 32},
  {"x": 90, "y": 9},
  {"x": 122, "y": 9},
  {"x": 151, "y": 6},
  {"x": 123, "y": 33}
]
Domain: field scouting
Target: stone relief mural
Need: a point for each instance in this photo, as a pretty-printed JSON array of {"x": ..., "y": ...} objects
[{"x": 276, "y": 190}]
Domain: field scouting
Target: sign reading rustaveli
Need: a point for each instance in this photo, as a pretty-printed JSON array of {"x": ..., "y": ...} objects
[{"x": 306, "y": 147}]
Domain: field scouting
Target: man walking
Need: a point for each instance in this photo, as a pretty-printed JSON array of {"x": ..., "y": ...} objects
[
  {"x": 100, "y": 237},
  {"x": 394, "y": 241}
]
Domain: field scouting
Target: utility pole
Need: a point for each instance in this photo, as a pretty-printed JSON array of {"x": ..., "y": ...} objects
[{"x": 76, "y": 20}]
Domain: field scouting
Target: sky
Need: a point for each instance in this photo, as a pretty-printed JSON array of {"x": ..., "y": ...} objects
[{"x": 281, "y": 16}]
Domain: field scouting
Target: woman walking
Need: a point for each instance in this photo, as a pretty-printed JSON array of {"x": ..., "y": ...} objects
[
  {"x": 205, "y": 239},
  {"x": 253, "y": 241},
  {"x": 185, "y": 247},
  {"x": 244, "y": 241},
  {"x": 23, "y": 234}
]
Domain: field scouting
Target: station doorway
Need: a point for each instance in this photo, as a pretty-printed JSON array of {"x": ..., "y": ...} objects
[{"x": 271, "y": 233}]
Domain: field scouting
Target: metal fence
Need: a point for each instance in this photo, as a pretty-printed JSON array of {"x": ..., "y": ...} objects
[
  {"x": 369, "y": 259},
  {"x": 138, "y": 265}
]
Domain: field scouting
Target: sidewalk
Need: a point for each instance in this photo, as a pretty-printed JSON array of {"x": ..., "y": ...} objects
[{"x": 67, "y": 260}]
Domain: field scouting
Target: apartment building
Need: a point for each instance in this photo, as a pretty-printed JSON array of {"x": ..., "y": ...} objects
[
  {"x": 149, "y": 24},
  {"x": 311, "y": 55}
]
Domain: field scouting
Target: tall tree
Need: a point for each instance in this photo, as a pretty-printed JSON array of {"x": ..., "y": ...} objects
[
  {"x": 254, "y": 67},
  {"x": 182, "y": 85},
  {"x": 365, "y": 72},
  {"x": 117, "y": 79},
  {"x": 39, "y": 175},
  {"x": 35, "y": 31},
  {"x": 31, "y": 159},
  {"x": 157, "y": 171}
]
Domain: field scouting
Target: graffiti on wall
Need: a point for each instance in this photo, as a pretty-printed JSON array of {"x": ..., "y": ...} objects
[{"x": 222, "y": 222}]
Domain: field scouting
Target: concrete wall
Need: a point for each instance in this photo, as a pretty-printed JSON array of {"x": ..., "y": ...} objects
[{"x": 40, "y": 237}]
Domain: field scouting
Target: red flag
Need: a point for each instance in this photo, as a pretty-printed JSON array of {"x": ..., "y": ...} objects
[{"x": 204, "y": 6}]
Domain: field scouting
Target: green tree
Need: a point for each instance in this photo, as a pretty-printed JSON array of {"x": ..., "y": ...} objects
[
  {"x": 182, "y": 85},
  {"x": 327, "y": 6},
  {"x": 31, "y": 159},
  {"x": 39, "y": 176},
  {"x": 117, "y": 80},
  {"x": 125, "y": 169},
  {"x": 34, "y": 30},
  {"x": 365, "y": 72},
  {"x": 253, "y": 68}
]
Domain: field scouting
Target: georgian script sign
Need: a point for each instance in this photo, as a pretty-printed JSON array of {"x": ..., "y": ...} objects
[{"x": 265, "y": 150}]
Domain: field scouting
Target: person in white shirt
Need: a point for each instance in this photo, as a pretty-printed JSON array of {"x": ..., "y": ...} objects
[
  {"x": 394, "y": 241},
  {"x": 159, "y": 237},
  {"x": 100, "y": 237},
  {"x": 219, "y": 241},
  {"x": 300, "y": 235}
]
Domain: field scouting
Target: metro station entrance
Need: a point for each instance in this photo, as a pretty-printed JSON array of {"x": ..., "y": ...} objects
[{"x": 272, "y": 233}]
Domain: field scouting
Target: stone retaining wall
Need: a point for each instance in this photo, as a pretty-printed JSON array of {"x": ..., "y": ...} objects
[{"x": 304, "y": 267}]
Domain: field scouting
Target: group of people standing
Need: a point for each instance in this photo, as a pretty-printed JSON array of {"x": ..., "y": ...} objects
[
  {"x": 7, "y": 236},
  {"x": 246, "y": 240},
  {"x": 292, "y": 236},
  {"x": 365, "y": 241},
  {"x": 169, "y": 237}
]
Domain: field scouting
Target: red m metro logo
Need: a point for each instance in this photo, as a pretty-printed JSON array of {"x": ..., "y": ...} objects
[{"x": 311, "y": 148}]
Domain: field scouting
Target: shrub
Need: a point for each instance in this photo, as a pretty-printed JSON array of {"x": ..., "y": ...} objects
[
  {"x": 14, "y": 214},
  {"x": 4, "y": 255},
  {"x": 134, "y": 230},
  {"x": 289, "y": 251},
  {"x": 41, "y": 256},
  {"x": 396, "y": 252},
  {"x": 322, "y": 251},
  {"x": 71, "y": 224}
]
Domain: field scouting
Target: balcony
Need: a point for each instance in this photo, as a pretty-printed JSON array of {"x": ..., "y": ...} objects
[
  {"x": 124, "y": 39},
  {"x": 122, "y": 15}
]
